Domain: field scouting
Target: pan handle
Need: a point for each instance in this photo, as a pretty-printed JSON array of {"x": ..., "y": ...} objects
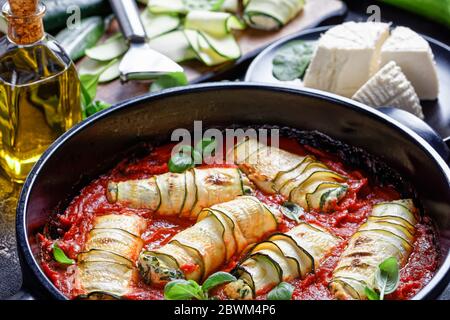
[{"x": 442, "y": 146}]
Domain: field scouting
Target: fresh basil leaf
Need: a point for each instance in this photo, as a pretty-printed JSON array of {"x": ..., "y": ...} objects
[
  {"x": 291, "y": 211},
  {"x": 96, "y": 106},
  {"x": 206, "y": 146},
  {"x": 89, "y": 84},
  {"x": 60, "y": 256},
  {"x": 217, "y": 279},
  {"x": 183, "y": 290},
  {"x": 283, "y": 291},
  {"x": 290, "y": 61},
  {"x": 180, "y": 162},
  {"x": 371, "y": 294},
  {"x": 170, "y": 80},
  {"x": 194, "y": 154},
  {"x": 387, "y": 276}
]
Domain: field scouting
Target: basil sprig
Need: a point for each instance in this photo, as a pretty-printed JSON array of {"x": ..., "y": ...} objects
[
  {"x": 170, "y": 80},
  {"x": 187, "y": 157},
  {"x": 60, "y": 256},
  {"x": 283, "y": 291},
  {"x": 89, "y": 84},
  {"x": 188, "y": 289},
  {"x": 291, "y": 211},
  {"x": 184, "y": 159},
  {"x": 386, "y": 279}
]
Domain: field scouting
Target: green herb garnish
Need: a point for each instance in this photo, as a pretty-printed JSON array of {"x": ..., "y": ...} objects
[
  {"x": 386, "y": 279},
  {"x": 170, "y": 80},
  {"x": 180, "y": 162},
  {"x": 60, "y": 256},
  {"x": 283, "y": 291},
  {"x": 189, "y": 289},
  {"x": 89, "y": 84},
  {"x": 206, "y": 146},
  {"x": 96, "y": 106},
  {"x": 187, "y": 157},
  {"x": 291, "y": 60}
]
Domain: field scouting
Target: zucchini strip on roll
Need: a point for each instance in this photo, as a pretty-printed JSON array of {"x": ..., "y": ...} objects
[
  {"x": 282, "y": 257},
  {"x": 183, "y": 194},
  {"x": 301, "y": 179},
  {"x": 106, "y": 267},
  {"x": 388, "y": 232},
  {"x": 221, "y": 232},
  {"x": 271, "y": 14}
]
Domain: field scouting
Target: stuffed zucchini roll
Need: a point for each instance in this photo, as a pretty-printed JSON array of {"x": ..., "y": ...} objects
[
  {"x": 271, "y": 14},
  {"x": 282, "y": 257},
  {"x": 182, "y": 194},
  {"x": 106, "y": 267},
  {"x": 388, "y": 232},
  {"x": 221, "y": 231},
  {"x": 301, "y": 179}
]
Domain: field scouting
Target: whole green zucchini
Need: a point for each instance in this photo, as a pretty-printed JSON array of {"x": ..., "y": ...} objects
[
  {"x": 56, "y": 16},
  {"x": 77, "y": 40},
  {"x": 436, "y": 10}
]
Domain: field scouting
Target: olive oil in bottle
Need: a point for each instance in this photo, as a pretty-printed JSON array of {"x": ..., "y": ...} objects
[{"x": 39, "y": 89}]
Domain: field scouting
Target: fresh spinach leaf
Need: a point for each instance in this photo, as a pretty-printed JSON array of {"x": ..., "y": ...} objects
[
  {"x": 217, "y": 279},
  {"x": 290, "y": 61},
  {"x": 183, "y": 290},
  {"x": 283, "y": 291},
  {"x": 60, "y": 256},
  {"x": 291, "y": 211},
  {"x": 170, "y": 80}
]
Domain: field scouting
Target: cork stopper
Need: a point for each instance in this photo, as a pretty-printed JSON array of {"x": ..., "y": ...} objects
[{"x": 24, "y": 18}]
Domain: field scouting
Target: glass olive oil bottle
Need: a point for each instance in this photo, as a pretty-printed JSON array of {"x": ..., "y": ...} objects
[{"x": 39, "y": 89}]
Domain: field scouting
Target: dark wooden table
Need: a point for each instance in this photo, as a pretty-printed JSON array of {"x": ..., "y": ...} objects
[{"x": 10, "y": 274}]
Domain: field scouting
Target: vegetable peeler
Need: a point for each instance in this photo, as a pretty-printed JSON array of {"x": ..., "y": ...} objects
[{"x": 140, "y": 62}]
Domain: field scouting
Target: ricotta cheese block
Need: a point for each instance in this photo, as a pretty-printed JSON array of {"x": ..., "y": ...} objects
[
  {"x": 346, "y": 57},
  {"x": 414, "y": 56},
  {"x": 390, "y": 87}
]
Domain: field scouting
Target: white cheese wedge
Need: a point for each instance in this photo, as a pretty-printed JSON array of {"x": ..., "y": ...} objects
[
  {"x": 414, "y": 56},
  {"x": 390, "y": 87},
  {"x": 346, "y": 57}
]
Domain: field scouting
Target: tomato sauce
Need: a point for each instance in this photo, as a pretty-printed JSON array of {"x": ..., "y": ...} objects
[{"x": 73, "y": 224}]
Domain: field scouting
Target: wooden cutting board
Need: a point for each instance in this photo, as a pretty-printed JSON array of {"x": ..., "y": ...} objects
[{"x": 251, "y": 42}]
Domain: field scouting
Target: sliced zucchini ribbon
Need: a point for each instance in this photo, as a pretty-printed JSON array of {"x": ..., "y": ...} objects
[
  {"x": 206, "y": 34},
  {"x": 221, "y": 232},
  {"x": 183, "y": 194},
  {"x": 271, "y": 14},
  {"x": 388, "y": 232},
  {"x": 282, "y": 257},
  {"x": 302, "y": 180},
  {"x": 106, "y": 266}
]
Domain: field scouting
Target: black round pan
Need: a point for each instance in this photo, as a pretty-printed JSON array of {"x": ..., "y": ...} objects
[{"x": 95, "y": 145}]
